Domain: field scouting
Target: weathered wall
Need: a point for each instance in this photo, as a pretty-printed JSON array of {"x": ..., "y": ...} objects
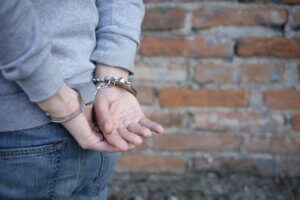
[{"x": 223, "y": 78}]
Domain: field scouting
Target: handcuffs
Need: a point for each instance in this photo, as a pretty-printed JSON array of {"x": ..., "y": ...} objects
[{"x": 87, "y": 93}]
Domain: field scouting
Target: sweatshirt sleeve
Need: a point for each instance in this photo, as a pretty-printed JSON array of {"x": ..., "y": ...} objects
[
  {"x": 118, "y": 32},
  {"x": 25, "y": 52}
]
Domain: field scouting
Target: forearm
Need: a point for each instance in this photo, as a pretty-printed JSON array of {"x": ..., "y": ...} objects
[
  {"x": 62, "y": 103},
  {"x": 25, "y": 52},
  {"x": 118, "y": 32}
]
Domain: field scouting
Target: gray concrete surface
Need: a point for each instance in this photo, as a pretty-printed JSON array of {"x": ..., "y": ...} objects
[{"x": 202, "y": 186}]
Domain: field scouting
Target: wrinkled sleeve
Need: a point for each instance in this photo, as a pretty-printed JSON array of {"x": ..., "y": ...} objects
[
  {"x": 25, "y": 53},
  {"x": 118, "y": 32}
]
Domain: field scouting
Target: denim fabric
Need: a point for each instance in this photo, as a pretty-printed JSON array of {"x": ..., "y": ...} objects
[{"x": 47, "y": 163}]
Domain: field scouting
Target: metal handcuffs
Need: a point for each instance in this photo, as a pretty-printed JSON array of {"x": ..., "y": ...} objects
[{"x": 87, "y": 93}]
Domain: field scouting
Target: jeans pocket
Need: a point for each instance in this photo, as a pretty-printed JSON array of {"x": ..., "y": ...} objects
[
  {"x": 30, "y": 172},
  {"x": 108, "y": 162}
]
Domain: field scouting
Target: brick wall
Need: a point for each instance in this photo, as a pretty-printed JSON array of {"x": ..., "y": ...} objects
[{"x": 223, "y": 78}]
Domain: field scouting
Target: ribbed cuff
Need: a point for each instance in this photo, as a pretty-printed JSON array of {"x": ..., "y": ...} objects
[
  {"x": 44, "y": 82},
  {"x": 115, "y": 50}
]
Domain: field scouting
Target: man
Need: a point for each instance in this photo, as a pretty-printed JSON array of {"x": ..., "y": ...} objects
[{"x": 45, "y": 47}]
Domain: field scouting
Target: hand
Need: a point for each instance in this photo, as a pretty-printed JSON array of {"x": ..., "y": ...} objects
[
  {"x": 121, "y": 119},
  {"x": 119, "y": 114},
  {"x": 65, "y": 102}
]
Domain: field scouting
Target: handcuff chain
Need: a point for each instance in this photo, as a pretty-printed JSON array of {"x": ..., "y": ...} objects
[
  {"x": 102, "y": 84},
  {"x": 110, "y": 81}
]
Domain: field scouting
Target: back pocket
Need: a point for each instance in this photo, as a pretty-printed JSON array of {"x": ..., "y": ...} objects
[
  {"x": 108, "y": 162},
  {"x": 30, "y": 172}
]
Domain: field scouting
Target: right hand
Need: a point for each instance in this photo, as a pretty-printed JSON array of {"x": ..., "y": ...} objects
[
  {"x": 88, "y": 136},
  {"x": 118, "y": 113}
]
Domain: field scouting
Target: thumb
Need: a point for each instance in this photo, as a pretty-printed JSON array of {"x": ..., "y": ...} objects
[{"x": 103, "y": 116}]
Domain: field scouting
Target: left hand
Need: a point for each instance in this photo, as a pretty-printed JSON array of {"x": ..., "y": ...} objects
[{"x": 63, "y": 103}]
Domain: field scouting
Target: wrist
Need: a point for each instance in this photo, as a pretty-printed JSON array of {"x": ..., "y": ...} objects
[
  {"x": 105, "y": 70},
  {"x": 62, "y": 103}
]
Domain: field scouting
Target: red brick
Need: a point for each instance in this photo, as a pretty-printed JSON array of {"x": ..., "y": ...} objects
[
  {"x": 268, "y": 1},
  {"x": 169, "y": 117},
  {"x": 153, "y": 46},
  {"x": 282, "y": 99},
  {"x": 258, "y": 144},
  {"x": 292, "y": 2},
  {"x": 163, "y": 19},
  {"x": 276, "y": 46},
  {"x": 191, "y": 142},
  {"x": 145, "y": 95},
  {"x": 296, "y": 20},
  {"x": 285, "y": 145},
  {"x": 183, "y": 1},
  {"x": 255, "y": 1},
  {"x": 238, "y": 120},
  {"x": 167, "y": 71},
  {"x": 148, "y": 163},
  {"x": 261, "y": 72},
  {"x": 172, "y": 97},
  {"x": 289, "y": 1},
  {"x": 140, "y": 147},
  {"x": 185, "y": 47},
  {"x": 213, "y": 73},
  {"x": 299, "y": 73},
  {"x": 296, "y": 122},
  {"x": 211, "y": 17},
  {"x": 225, "y": 164}
]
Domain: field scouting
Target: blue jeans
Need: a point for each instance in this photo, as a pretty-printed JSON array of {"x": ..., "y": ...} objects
[{"x": 47, "y": 163}]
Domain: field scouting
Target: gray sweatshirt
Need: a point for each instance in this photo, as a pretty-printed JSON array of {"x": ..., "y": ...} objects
[{"x": 46, "y": 43}]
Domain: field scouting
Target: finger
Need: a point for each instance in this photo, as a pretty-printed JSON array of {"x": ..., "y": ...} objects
[
  {"x": 131, "y": 146},
  {"x": 88, "y": 139},
  {"x": 117, "y": 141},
  {"x": 80, "y": 129},
  {"x": 103, "y": 116},
  {"x": 130, "y": 137},
  {"x": 94, "y": 127},
  {"x": 98, "y": 133},
  {"x": 151, "y": 125},
  {"x": 140, "y": 130},
  {"x": 104, "y": 146}
]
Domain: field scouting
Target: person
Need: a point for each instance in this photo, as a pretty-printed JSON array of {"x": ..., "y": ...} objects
[{"x": 45, "y": 47}]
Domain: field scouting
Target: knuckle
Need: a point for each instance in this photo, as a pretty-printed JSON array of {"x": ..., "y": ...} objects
[{"x": 143, "y": 120}]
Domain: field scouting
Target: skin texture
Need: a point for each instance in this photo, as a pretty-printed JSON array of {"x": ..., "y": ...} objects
[
  {"x": 121, "y": 119},
  {"x": 121, "y": 124},
  {"x": 119, "y": 114}
]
